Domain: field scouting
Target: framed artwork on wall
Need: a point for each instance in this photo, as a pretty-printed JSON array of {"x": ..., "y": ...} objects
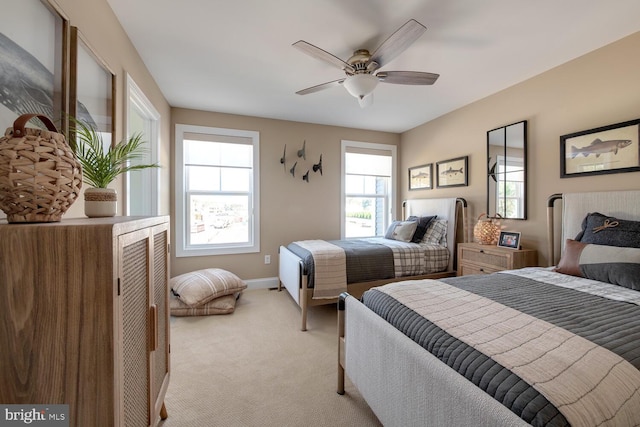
[
  {"x": 421, "y": 177},
  {"x": 34, "y": 53},
  {"x": 92, "y": 89},
  {"x": 604, "y": 150},
  {"x": 452, "y": 172}
]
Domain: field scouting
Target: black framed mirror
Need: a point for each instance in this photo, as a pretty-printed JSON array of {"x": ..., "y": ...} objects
[{"x": 507, "y": 171}]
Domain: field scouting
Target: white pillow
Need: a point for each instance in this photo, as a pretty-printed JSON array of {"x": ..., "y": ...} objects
[{"x": 404, "y": 231}]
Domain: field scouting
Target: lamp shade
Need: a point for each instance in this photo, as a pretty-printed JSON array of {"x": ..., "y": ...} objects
[{"x": 360, "y": 85}]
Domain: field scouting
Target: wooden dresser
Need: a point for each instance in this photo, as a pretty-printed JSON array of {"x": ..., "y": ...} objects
[
  {"x": 84, "y": 318},
  {"x": 474, "y": 258}
]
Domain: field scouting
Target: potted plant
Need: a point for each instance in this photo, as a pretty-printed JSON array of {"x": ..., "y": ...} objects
[{"x": 101, "y": 165}]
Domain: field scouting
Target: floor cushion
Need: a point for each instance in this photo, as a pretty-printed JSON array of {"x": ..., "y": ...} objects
[
  {"x": 199, "y": 287},
  {"x": 222, "y": 305}
]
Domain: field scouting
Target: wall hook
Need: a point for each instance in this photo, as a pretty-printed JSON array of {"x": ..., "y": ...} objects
[
  {"x": 301, "y": 152},
  {"x": 318, "y": 166},
  {"x": 284, "y": 153}
]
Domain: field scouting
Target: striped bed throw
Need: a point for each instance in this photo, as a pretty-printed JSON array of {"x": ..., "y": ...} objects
[
  {"x": 554, "y": 356},
  {"x": 330, "y": 265}
]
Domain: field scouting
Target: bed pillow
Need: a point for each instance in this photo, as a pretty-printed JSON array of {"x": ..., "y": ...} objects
[
  {"x": 436, "y": 232},
  {"x": 606, "y": 230},
  {"x": 199, "y": 287},
  {"x": 612, "y": 264},
  {"x": 221, "y": 305},
  {"x": 421, "y": 228},
  {"x": 389, "y": 233},
  {"x": 401, "y": 230}
]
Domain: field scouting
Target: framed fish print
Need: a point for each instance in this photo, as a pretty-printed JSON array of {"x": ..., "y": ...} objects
[
  {"x": 421, "y": 177},
  {"x": 608, "y": 149},
  {"x": 34, "y": 52},
  {"x": 452, "y": 172}
]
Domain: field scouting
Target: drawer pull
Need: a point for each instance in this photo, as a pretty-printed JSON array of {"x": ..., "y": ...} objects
[{"x": 481, "y": 251}]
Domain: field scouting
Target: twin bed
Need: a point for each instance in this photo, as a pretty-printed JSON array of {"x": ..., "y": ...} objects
[
  {"x": 536, "y": 346},
  {"x": 316, "y": 272}
]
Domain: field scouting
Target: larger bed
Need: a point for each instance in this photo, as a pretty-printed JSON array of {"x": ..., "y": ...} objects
[
  {"x": 537, "y": 346},
  {"x": 359, "y": 264}
]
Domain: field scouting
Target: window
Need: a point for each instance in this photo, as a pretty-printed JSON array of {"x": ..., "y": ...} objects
[
  {"x": 368, "y": 182},
  {"x": 217, "y": 191},
  {"x": 141, "y": 186},
  {"x": 510, "y": 195}
]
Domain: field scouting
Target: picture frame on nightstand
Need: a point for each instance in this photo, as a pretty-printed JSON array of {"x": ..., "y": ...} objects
[{"x": 509, "y": 239}]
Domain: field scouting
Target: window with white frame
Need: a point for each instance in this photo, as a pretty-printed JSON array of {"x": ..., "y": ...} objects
[
  {"x": 510, "y": 192},
  {"x": 368, "y": 182},
  {"x": 217, "y": 191},
  {"x": 142, "y": 187}
]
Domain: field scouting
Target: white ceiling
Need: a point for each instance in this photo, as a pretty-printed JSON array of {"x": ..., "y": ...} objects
[{"x": 235, "y": 56}]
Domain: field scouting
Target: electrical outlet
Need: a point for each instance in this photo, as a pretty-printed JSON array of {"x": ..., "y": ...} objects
[{"x": 267, "y": 259}]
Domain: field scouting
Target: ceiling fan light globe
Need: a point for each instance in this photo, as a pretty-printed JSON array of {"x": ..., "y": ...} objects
[{"x": 360, "y": 85}]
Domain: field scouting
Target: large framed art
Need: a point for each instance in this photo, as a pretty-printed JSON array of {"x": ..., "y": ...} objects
[
  {"x": 92, "y": 88},
  {"x": 34, "y": 49},
  {"x": 608, "y": 149}
]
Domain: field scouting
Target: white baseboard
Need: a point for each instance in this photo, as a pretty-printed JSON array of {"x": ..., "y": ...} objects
[{"x": 265, "y": 283}]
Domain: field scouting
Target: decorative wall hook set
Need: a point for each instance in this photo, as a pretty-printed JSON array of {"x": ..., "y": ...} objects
[{"x": 301, "y": 153}]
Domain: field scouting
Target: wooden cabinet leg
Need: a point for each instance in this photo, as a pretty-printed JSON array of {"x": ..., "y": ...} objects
[{"x": 163, "y": 412}]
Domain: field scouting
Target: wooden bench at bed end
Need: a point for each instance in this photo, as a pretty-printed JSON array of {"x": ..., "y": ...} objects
[{"x": 341, "y": 343}]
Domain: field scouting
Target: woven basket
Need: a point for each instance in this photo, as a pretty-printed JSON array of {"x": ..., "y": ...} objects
[
  {"x": 487, "y": 231},
  {"x": 40, "y": 177}
]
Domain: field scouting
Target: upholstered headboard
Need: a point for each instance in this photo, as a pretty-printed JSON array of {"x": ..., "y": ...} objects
[
  {"x": 445, "y": 208},
  {"x": 575, "y": 206}
]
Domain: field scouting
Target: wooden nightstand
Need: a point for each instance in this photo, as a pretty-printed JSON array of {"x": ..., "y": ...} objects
[{"x": 474, "y": 258}]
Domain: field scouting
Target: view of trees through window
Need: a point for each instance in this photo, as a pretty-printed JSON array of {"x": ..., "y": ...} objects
[
  {"x": 218, "y": 181},
  {"x": 367, "y": 194},
  {"x": 510, "y": 196}
]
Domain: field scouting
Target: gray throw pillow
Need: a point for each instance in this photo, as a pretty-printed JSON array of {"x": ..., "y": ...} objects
[
  {"x": 606, "y": 230},
  {"x": 421, "y": 228}
]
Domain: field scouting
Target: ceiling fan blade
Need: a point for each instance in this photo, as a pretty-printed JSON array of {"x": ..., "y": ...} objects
[
  {"x": 322, "y": 55},
  {"x": 320, "y": 87},
  {"x": 398, "y": 42},
  {"x": 407, "y": 77}
]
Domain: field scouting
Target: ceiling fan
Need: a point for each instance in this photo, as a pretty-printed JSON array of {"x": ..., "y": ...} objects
[{"x": 362, "y": 69}]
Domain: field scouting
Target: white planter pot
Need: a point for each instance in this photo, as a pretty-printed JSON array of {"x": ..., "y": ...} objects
[{"x": 100, "y": 202}]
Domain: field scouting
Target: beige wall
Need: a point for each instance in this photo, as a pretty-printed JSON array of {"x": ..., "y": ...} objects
[
  {"x": 598, "y": 89},
  {"x": 100, "y": 27},
  {"x": 290, "y": 209}
]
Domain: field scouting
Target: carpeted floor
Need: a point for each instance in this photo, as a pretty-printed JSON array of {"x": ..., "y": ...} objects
[{"x": 256, "y": 368}]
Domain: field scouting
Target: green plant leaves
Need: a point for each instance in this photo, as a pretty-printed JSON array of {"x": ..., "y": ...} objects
[{"x": 101, "y": 166}]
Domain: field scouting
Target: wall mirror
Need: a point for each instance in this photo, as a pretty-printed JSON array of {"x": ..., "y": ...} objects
[{"x": 507, "y": 171}]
